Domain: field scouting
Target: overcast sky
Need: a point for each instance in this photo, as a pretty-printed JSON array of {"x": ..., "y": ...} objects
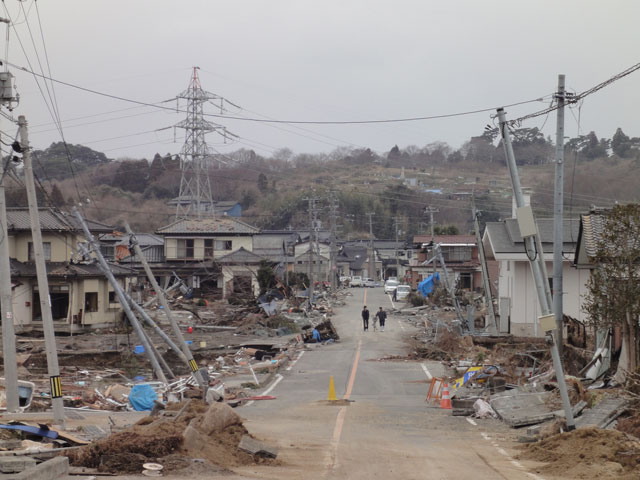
[{"x": 320, "y": 60}]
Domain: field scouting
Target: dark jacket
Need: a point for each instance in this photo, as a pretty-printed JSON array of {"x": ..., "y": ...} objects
[
  {"x": 365, "y": 314},
  {"x": 382, "y": 315}
]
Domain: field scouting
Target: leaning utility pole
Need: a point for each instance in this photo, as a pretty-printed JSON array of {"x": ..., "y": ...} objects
[
  {"x": 533, "y": 245},
  {"x": 430, "y": 210},
  {"x": 43, "y": 282},
  {"x": 372, "y": 255},
  {"x": 162, "y": 299},
  {"x": 485, "y": 272},
  {"x": 122, "y": 297},
  {"x": 558, "y": 204}
]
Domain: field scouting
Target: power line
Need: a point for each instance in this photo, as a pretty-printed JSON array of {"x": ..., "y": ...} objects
[{"x": 266, "y": 120}]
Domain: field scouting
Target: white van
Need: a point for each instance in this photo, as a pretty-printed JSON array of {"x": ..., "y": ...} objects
[
  {"x": 355, "y": 282},
  {"x": 402, "y": 292}
]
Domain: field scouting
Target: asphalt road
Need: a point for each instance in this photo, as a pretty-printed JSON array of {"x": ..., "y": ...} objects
[{"x": 387, "y": 431}]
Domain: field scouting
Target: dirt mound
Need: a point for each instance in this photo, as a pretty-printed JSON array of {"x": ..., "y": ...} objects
[
  {"x": 630, "y": 425},
  {"x": 586, "y": 453},
  {"x": 200, "y": 431}
]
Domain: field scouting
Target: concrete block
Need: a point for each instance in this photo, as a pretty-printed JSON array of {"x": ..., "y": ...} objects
[
  {"x": 254, "y": 447},
  {"x": 16, "y": 464},
  {"x": 10, "y": 444},
  {"x": 49, "y": 470}
]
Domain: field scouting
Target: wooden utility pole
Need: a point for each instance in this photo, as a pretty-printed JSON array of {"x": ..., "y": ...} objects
[
  {"x": 162, "y": 299},
  {"x": 55, "y": 382}
]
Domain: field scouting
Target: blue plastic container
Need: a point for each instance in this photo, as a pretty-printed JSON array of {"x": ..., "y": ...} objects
[
  {"x": 188, "y": 342},
  {"x": 138, "y": 349}
]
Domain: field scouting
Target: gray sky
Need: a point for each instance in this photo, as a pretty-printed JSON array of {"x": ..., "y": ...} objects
[{"x": 322, "y": 60}]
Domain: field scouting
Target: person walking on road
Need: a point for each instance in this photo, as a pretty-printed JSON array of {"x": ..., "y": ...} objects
[
  {"x": 365, "y": 318},
  {"x": 395, "y": 295},
  {"x": 382, "y": 317}
]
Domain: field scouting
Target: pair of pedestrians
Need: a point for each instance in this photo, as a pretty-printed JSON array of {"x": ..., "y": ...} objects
[{"x": 381, "y": 316}]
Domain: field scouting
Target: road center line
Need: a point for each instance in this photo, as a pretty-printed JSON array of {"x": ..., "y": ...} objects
[
  {"x": 426, "y": 372},
  {"x": 332, "y": 461},
  {"x": 354, "y": 369}
]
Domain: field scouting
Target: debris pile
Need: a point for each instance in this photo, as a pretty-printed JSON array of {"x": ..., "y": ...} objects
[
  {"x": 587, "y": 453},
  {"x": 188, "y": 431}
]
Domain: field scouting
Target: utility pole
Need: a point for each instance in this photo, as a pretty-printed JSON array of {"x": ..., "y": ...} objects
[
  {"x": 122, "y": 298},
  {"x": 395, "y": 224},
  {"x": 7, "y": 99},
  {"x": 534, "y": 247},
  {"x": 8, "y": 332},
  {"x": 430, "y": 210},
  {"x": 162, "y": 299},
  {"x": 372, "y": 255},
  {"x": 333, "y": 214},
  {"x": 558, "y": 204},
  {"x": 310, "y": 255},
  {"x": 493, "y": 325},
  {"x": 43, "y": 282}
]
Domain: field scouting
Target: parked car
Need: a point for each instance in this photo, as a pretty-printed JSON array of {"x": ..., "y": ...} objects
[
  {"x": 368, "y": 282},
  {"x": 390, "y": 286},
  {"x": 355, "y": 282},
  {"x": 402, "y": 291}
]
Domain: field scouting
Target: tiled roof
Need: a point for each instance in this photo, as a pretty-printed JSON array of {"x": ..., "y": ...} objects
[
  {"x": 592, "y": 228},
  {"x": 50, "y": 220},
  {"x": 144, "y": 239},
  {"x": 213, "y": 225},
  {"x": 240, "y": 256},
  {"x": 505, "y": 236},
  {"x": 65, "y": 269}
]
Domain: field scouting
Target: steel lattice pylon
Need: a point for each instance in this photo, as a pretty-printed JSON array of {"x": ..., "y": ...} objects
[{"x": 195, "y": 198}]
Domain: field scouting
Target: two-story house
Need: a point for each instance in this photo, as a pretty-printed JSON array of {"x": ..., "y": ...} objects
[
  {"x": 196, "y": 249},
  {"x": 460, "y": 254},
  {"x": 80, "y": 295}
]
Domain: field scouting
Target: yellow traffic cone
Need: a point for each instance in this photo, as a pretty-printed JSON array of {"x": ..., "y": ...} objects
[{"x": 332, "y": 390}]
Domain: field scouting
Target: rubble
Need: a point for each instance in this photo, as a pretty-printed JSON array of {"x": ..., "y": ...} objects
[{"x": 211, "y": 432}]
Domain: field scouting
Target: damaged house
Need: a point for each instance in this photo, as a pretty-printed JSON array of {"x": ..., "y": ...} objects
[
  {"x": 518, "y": 303},
  {"x": 80, "y": 295},
  {"x": 200, "y": 251}
]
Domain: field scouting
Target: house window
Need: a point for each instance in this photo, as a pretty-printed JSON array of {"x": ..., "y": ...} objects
[
  {"x": 112, "y": 297},
  {"x": 185, "y": 248},
  {"x": 223, "y": 244},
  {"x": 208, "y": 247},
  {"x": 456, "y": 254},
  {"x": 47, "y": 251},
  {"x": 464, "y": 281},
  {"x": 108, "y": 251},
  {"x": 91, "y": 301}
]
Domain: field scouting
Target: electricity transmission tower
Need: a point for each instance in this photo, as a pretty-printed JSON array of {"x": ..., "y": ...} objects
[{"x": 195, "y": 198}]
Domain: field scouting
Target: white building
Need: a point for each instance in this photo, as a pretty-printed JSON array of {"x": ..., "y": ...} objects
[{"x": 517, "y": 297}]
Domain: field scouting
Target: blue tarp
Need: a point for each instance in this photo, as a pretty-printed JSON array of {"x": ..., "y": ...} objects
[
  {"x": 141, "y": 397},
  {"x": 426, "y": 286}
]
